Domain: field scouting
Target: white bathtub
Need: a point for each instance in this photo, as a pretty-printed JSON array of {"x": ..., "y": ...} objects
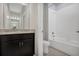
[
  {"x": 45, "y": 47},
  {"x": 69, "y": 47}
]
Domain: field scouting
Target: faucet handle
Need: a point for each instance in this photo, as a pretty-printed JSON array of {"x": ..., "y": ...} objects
[
  {"x": 77, "y": 31},
  {"x": 53, "y": 33}
]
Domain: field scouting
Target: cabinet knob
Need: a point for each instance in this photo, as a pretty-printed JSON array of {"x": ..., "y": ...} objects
[
  {"x": 22, "y": 44},
  {"x": 19, "y": 44}
]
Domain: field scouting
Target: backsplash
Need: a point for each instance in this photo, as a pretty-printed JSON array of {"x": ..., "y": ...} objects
[{"x": 11, "y": 30}]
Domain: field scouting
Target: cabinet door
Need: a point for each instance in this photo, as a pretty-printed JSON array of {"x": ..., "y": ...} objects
[
  {"x": 4, "y": 50},
  {"x": 28, "y": 47},
  {"x": 0, "y": 45},
  {"x": 9, "y": 45},
  {"x": 12, "y": 47},
  {"x": 28, "y": 44}
]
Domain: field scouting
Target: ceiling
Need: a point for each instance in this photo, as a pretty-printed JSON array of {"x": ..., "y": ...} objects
[
  {"x": 58, "y": 6},
  {"x": 19, "y": 7},
  {"x": 54, "y": 4}
]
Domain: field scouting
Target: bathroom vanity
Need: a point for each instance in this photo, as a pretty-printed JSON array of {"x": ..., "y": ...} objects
[{"x": 17, "y": 43}]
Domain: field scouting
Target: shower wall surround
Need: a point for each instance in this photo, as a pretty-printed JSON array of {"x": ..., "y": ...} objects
[{"x": 64, "y": 22}]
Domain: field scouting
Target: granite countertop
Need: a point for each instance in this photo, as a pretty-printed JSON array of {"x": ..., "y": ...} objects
[{"x": 5, "y": 32}]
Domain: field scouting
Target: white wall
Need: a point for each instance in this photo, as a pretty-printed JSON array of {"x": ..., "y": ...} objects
[
  {"x": 66, "y": 23},
  {"x": 45, "y": 22},
  {"x": 51, "y": 22},
  {"x": 39, "y": 29}
]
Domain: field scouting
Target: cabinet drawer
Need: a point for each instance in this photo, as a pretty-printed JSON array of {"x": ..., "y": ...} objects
[
  {"x": 28, "y": 42},
  {"x": 28, "y": 36},
  {"x": 11, "y": 43},
  {"x": 14, "y": 37}
]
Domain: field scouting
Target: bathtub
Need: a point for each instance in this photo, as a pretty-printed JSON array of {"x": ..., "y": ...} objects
[
  {"x": 45, "y": 46},
  {"x": 69, "y": 47}
]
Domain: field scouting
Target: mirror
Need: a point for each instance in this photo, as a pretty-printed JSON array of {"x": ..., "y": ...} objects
[{"x": 16, "y": 16}]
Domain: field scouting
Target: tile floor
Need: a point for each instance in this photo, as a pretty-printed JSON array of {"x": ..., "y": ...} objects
[{"x": 56, "y": 52}]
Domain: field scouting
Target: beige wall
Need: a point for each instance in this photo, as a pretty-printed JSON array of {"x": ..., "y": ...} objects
[
  {"x": 1, "y": 15},
  {"x": 6, "y": 20},
  {"x": 33, "y": 16},
  {"x": 30, "y": 16},
  {"x": 26, "y": 17}
]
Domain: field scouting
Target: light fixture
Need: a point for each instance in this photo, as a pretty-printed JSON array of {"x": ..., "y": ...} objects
[{"x": 8, "y": 17}]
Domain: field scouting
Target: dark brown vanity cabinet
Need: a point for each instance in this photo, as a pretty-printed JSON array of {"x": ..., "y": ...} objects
[{"x": 17, "y": 44}]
